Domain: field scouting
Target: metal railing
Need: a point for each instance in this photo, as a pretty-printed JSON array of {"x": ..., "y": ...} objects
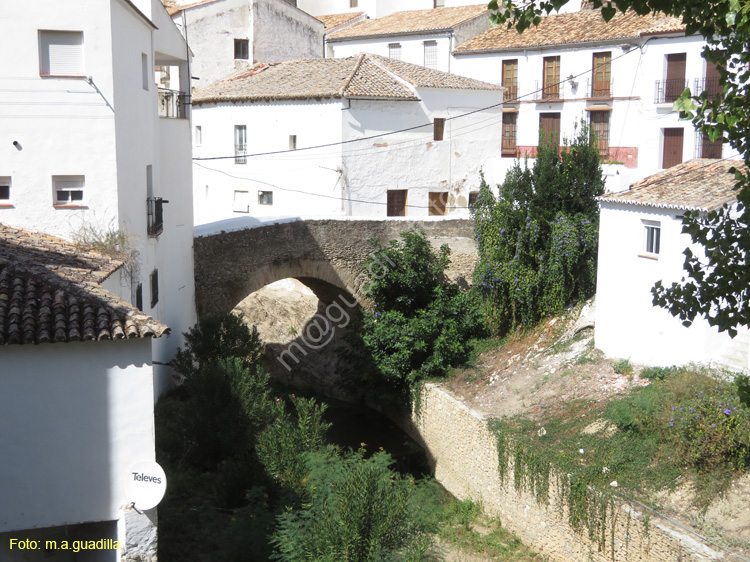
[
  {"x": 155, "y": 215},
  {"x": 704, "y": 148},
  {"x": 173, "y": 104},
  {"x": 548, "y": 92},
  {"x": 240, "y": 150},
  {"x": 511, "y": 92},
  {"x": 667, "y": 91},
  {"x": 710, "y": 85},
  {"x": 600, "y": 88}
]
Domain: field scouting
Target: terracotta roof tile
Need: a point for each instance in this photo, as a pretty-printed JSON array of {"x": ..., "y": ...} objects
[
  {"x": 586, "y": 26},
  {"x": 50, "y": 292},
  {"x": 409, "y": 22},
  {"x": 334, "y": 20},
  {"x": 697, "y": 185},
  {"x": 365, "y": 75},
  {"x": 175, "y": 8}
]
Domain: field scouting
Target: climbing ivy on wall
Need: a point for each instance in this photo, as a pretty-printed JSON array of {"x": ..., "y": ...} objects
[{"x": 538, "y": 239}]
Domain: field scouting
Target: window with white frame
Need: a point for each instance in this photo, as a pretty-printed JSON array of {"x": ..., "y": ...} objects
[
  {"x": 198, "y": 135},
  {"x": 394, "y": 51},
  {"x": 651, "y": 237},
  {"x": 68, "y": 190},
  {"x": 265, "y": 198},
  {"x": 430, "y": 54},
  {"x": 241, "y": 203},
  {"x": 61, "y": 53},
  {"x": 5, "y": 190},
  {"x": 240, "y": 144}
]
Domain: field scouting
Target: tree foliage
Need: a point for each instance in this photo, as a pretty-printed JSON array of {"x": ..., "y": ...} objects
[
  {"x": 538, "y": 239},
  {"x": 717, "y": 285}
]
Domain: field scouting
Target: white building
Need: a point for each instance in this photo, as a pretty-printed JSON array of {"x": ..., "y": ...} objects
[
  {"x": 621, "y": 77},
  {"x": 228, "y": 35},
  {"x": 364, "y": 135},
  {"x": 92, "y": 148},
  {"x": 76, "y": 395},
  {"x": 373, "y": 8},
  {"x": 641, "y": 242},
  {"x": 423, "y": 37}
]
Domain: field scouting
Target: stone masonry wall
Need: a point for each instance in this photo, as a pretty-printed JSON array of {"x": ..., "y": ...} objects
[{"x": 464, "y": 454}]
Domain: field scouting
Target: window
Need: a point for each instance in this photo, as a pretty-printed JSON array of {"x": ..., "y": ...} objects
[
  {"x": 241, "y": 49},
  {"x": 549, "y": 128},
  {"x": 602, "y": 73},
  {"x": 510, "y": 80},
  {"x": 155, "y": 215},
  {"x": 672, "y": 149},
  {"x": 139, "y": 296},
  {"x": 430, "y": 54},
  {"x": 473, "y": 198},
  {"x": 241, "y": 202},
  {"x": 396, "y": 205},
  {"x": 240, "y": 144},
  {"x": 706, "y": 148},
  {"x": 394, "y": 51},
  {"x": 675, "y": 82},
  {"x": 353, "y": 3},
  {"x": 438, "y": 4},
  {"x": 145, "y": 73},
  {"x": 651, "y": 237},
  {"x": 154, "y": 283},
  {"x": 68, "y": 190},
  {"x": 265, "y": 198},
  {"x": 4, "y": 191},
  {"x": 438, "y": 202},
  {"x": 438, "y": 128},
  {"x": 61, "y": 53},
  {"x": 551, "y": 78},
  {"x": 711, "y": 81},
  {"x": 198, "y": 135},
  {"x": 599, "y": 121},
  {"x": 509, "y": 134},
  {"x": 149, "y": 181},
  {"x": 292, "y": 142}
]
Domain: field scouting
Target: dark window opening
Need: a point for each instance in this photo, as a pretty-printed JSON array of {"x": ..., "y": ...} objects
[
  {"x": 155, "y": 212},
  {"x": 139, "y": 297},
  {"x": 397, "y": 202},
  {"x": 439, "y": 128},
  {"x": 154, "y": 283},
  {"x": 241, "y": 49},
  {"x": 4, "y": 192},
  {"x": 265, "y": 198}
]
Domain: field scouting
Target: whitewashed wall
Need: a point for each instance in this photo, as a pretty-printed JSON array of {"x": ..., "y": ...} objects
[
  {"x": 373, "y": 8},
  {"x": 77, "y": 416},
  {"x": 413, "y": 160},
  {"x": 636, "y": 122},
  {"x": 627, "y": 324},
  {"x": 412, "y": 48},
  {"x": 306, "y": 182}
]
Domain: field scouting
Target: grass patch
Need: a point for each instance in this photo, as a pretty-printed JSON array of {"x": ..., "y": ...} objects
[{"x": 687, "y": 425}]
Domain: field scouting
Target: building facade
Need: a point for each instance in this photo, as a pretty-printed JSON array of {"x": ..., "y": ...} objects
[
  {"x": 93, "y": 150},
  {"x": 365, "y": 136}
]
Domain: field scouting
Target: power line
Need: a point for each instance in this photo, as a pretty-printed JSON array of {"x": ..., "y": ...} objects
[{"x": 381, "y": 135}]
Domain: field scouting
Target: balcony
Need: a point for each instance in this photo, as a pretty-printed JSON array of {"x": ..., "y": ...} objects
[
  {"x": 600, "y": 89},
  {"x": 511, "y": 93},
  {"x": 667, "y": 91},
  {"x": 709, "y": 85},
  {"x": 551, "y": 92},
  {"x": 155, "y": 214},
  {"x": 173, "y": 104}
]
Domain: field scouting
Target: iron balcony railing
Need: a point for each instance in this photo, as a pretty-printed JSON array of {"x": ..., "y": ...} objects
[
  {"x": 710, "y": 85},
  {"x": 240, "y": 150},
  {"x": 667, "y": 91},
  {"x": 155, "y": 214},
  {"x": 511, "y": 92},
  {"x": 599, "y": 88},
  {"x": 548, "y": 92},
  {"x": 173, "y": 104},
  {"x": 704, "y": 148}
]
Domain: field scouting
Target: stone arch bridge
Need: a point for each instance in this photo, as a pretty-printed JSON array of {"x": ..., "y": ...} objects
[{"x": 326, "y": 255}]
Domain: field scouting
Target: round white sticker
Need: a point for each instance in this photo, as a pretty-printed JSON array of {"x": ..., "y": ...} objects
[{"x": 145, "y": 485}]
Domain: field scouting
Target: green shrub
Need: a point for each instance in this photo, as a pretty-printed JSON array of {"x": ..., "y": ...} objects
[
  {"x": 538, "y": 239},
  {"x": 622, "y": 367},
  {"x": 659, "y": 373},
  {"x": 359, "y": 511}
]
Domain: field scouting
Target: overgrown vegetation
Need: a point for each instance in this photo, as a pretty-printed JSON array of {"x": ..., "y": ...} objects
[
  {"x": 686, "y": 424},
  {"x": 421, "y": 324},
  {"x": 538, "y": 239}
]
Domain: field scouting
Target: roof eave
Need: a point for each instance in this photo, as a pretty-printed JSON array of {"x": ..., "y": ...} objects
[
  {"x": 547, "y": 46},
  {"x": 438, "y": 31}
]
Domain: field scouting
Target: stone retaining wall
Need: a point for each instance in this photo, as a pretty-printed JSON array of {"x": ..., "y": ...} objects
[{"x": 464, "y": 454}]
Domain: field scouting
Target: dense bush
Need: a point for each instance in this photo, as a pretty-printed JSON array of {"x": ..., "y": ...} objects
[
  {"x": 538, "y": 239},
  {"x": 421, "y": 324}
]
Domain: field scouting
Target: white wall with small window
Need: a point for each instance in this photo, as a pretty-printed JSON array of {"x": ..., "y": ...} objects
[
  {"x": 6, "y": 199},
  {"x": 434, "y": 49},
  {"x": 638, "y": 246}
]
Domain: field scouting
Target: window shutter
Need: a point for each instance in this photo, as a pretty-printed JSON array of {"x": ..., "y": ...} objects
[
  {"x": 672, "y": 147},
  {"x": 62, "y": 53}
]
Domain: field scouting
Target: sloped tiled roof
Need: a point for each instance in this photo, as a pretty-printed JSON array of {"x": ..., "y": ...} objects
[
  {"x": 586, "y": 26},
  {"x": 701, "y": 184},
  {"x": 334, "y": 20},
  {"x": 50, "y": 292},
  {"x": 365, "y": 75},
  {"x": 410, "y": 22},
  {"x": 175, "y": 8}
]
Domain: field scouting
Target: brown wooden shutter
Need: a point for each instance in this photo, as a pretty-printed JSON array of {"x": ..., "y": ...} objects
[
  {"x": 438, "y": 202},
  {"x": 439, "y": 129},
  {"x": 551, "y": 78},
  {"x": 602, "y": 71},
  {"x": 509, "y": 134},
  {"x": 672, "y": 147},
  {"x": 549, "y": 128},
  {"x": 510, "y": 79},
  {"x": 675, "y": 76},
  {"x": 712, "y": 79},
  {"x": 397, "y": 202},
  {"x": 710, "y": 149}
]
